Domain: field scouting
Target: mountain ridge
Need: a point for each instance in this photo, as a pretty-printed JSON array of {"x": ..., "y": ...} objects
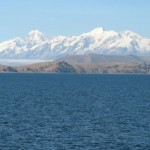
[{"x": 98, "y": 41}]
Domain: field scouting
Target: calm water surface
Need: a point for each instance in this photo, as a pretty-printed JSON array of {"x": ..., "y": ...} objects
[{"x": 74, "y": 112}]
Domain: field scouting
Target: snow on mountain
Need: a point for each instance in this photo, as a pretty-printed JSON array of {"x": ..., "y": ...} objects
[
  {"x": 35, "y": 36},
  {"x": 37, "y": 46}
]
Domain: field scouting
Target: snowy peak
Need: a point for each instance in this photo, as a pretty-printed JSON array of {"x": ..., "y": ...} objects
[
  {"x": 131, "y": 34},
  {"x": 97, "y": 31},
  {"x": 100, "y": 33},
  {"x": 36, "y": 36}
]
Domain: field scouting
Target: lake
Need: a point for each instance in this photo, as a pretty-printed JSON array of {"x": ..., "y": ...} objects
[{"x": 74, "y": 112}]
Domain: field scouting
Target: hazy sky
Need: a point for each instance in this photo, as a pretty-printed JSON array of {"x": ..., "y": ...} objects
[{"x": 72, "y": 17}]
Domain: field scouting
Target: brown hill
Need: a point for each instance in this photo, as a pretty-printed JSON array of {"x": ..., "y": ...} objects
[
  {"x": 92, "y": 63},
  {"x": 48, "y": 67}
]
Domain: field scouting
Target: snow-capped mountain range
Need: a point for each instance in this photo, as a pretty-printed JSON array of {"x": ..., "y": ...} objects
[{"x": 99, "y": 41}]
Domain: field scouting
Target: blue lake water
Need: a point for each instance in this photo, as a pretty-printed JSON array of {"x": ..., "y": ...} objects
[{"x": 74, "y": 112}]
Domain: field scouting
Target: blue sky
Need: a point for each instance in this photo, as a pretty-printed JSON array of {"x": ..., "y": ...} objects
[{"x": 72, "y": 17}]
